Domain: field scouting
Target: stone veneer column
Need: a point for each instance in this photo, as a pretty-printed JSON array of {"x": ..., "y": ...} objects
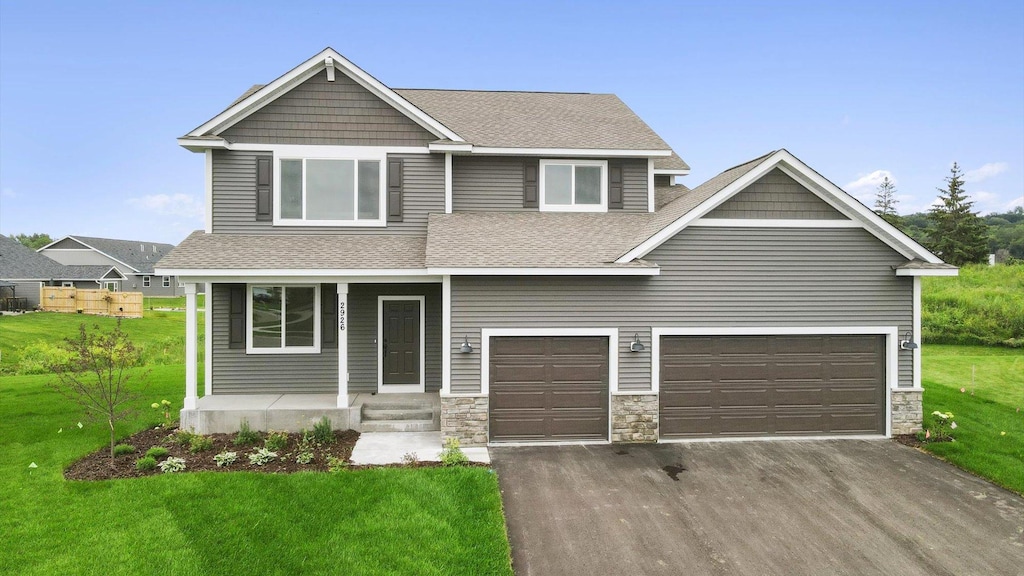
[
  {"x": 906, "y": 411},
  {"x": 465, "y": 419},
  {"x": 635, "y": 418}
]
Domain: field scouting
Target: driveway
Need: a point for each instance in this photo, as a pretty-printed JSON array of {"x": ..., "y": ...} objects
[{"x": 785, "y": 507}]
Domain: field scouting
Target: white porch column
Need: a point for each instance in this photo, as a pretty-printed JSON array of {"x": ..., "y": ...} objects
[
  {"x": 342, "y": 345},
  {"x": 191, "y": 360},
  {"x": 446, "y": 334}
]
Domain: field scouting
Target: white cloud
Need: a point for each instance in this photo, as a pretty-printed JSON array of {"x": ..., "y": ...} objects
[
  {"x": 177, "y": 205},
  {"x": 865, "y": 186},
  {"x": 1018, "y": 201},
  {"x": 985, "y": 172}
]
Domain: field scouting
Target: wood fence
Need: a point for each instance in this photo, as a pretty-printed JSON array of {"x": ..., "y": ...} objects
[{"x": 99, "y": 302}]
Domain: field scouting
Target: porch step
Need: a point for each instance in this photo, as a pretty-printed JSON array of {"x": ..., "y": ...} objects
[
  {"x": 399, "y": 426},
  {"x": 397, "y": 413}
]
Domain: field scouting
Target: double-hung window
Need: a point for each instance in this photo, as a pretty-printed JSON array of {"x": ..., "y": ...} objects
[
  {"x": 146, "y": 281},
  {"x": 283, "y": 319},
  {"x": 334, "y": 191},
  {"x": 573, "y": 185},
  {"x": 167, "y": 282}
]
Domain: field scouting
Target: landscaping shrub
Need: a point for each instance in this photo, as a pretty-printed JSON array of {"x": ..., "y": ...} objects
[
  {"x": 261, "y": 456},
  {"x": 452, "y": 454},
  {"x": 200, "y": 443},
  {"x": 323, "y": 431},
  {"x": 122, "y": 449},
  {"x": 276, "y": 441},
  {"x": 225, "y": 458},
  {"x": 145, "y": 464},
  {"x": 335, "y": 464},
  {"x": 157, "y": 452},
  {"x": 182, "y": 438},
  {"x": 246, "y": 435},
  {"x": 172, "y": 464}
]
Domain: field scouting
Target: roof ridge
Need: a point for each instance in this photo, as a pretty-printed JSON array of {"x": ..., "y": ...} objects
[{"x": 505, "y": 91}]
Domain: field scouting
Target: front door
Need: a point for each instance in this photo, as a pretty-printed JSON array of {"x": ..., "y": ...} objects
[{"x": 401, "y": 345}]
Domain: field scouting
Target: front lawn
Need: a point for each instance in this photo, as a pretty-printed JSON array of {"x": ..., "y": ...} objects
[
  {"x": 376, "y": 521},
  {"x": 988, "y": 407}
]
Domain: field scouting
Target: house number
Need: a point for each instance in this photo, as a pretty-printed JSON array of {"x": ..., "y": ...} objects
[{"x": 341, "y": 316}]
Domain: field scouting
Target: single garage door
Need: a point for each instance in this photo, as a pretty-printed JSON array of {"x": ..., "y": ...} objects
[
  {"x": 772, "y": 385},
  {"x": 548, "y": 388}
]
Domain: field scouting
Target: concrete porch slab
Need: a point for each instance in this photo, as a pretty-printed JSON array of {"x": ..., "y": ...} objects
[{"x": 390, "y": 447}]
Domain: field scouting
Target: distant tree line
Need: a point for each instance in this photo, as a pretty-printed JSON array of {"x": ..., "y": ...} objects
[
  {"x": 952, "y": 229},
  {"x": 33, "y": 241}
]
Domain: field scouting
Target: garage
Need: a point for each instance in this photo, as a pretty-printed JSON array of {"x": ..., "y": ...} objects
[
  {"x": 772, "y": 385},
  {"x": 548, "y": 388}
]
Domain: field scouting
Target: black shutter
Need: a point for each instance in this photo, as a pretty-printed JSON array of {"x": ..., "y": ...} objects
[
  {"x": 264, "y": 179},
  {"x": 530, "y": 169},
  {"x": 394, "y": 190},
  {"x": 614, "y": 185},
  {"x": 236, "y": 316},
  {"x": 329, "y": 316}
]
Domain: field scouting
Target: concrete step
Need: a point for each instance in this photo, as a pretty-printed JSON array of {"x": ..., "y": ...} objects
[
  {"x": 397, "y": 413},
  {"x": 427, "y": 425}
]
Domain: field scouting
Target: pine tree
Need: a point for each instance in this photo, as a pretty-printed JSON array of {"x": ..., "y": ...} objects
[
  {"x": 885, "y": 203},
  {"x": 959, "y": 236}
]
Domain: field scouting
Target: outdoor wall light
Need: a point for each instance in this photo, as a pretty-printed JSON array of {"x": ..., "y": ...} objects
[
  {"x": 466, "y": 347},
  {"x": 636, "y": 345},
  {"x": 907, "y": 343}
]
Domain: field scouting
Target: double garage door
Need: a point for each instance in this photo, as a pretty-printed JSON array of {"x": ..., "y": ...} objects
[{"x": 555, "y": 388}]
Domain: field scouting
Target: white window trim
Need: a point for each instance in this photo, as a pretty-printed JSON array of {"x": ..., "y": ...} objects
[
  {"x": 317, "y": 315},
  {"x": 146, "y": 281},
  {"x": 66, "y": 284},
  {"x": 891, "y": 334},
  {"x": 545, "y": 207},
  {"x": 166, "y": 282},
  {"x": 356, "y": 153},
  {"x": 111, "y": 286},
  {"x": 400, "y": 388}
]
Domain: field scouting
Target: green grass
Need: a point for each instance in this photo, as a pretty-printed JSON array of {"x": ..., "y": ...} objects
[
  {"x": 991, "y": 403},
  {"x": 984, "y": 305},
  {"x": 383, "y": 521},
  {"x": 150, "y": 302}
]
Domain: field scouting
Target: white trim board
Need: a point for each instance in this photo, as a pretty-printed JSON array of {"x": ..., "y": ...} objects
[
  {"x": 891, "y": 334},
  {"x": 773, "y": 223},
  {"x": 624, "y": 271},
  {"x": 400, "y": 388},
  {"x": 917, "y": 272},
  {"x": 818, "y": 185},
  {"x": 419, "y": 273},
  {"x": 308, "y": 69}
]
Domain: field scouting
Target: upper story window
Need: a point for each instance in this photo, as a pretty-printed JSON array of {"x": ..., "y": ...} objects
[
  {"x": 330, "y": 191},
  {"x": 573, "y": 185}
]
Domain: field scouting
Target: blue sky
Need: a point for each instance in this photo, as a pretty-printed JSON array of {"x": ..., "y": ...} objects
[{"x": 93, "y": 95}]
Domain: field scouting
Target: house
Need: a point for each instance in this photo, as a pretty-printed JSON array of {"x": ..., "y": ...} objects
[
  {"x": 132, "y": 258},
  {"x": 522, "y": 263},
  {"x": 24, "y": 272}
]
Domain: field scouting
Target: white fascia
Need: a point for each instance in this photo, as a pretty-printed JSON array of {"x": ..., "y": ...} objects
[
  {"x": 665, "y": 172},
  {"x": 625, "y": 271},
  {"x": 770, "y": 223},
  {"x": 572, "y": 152},
  {"x": 306, "y": 70},
  {"x": 927, "y": 272},
  {"x": 284, "y": 275}
]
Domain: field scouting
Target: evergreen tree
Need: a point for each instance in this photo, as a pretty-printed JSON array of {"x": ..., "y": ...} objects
[
  {"x": 885, "y": 203},
  {"x": 959, "y": 236}
]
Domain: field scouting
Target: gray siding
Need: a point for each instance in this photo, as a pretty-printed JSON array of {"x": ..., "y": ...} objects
[
  {"x": 709, "y": 277},
  {"x": 235, "y": 372},
  {"x": 30, "y": 291},
  {"x": 495, "y": 184},
  {"x": 362, "y": 336},
  {"x": 776, "y": 195},
  {"x": 83, "y": 257},
  {"x": 68, "y": 244},
  {"x": 234, "y": 197},
  {"x": 334, "y": 113}
]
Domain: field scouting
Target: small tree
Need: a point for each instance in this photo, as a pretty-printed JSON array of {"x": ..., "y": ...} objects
[
  {"x": 98, "y": 375},
  {"x": 885, "y": 202},
  {"x": 958, "y": 234},
  {"x": 34, "y": 241}
]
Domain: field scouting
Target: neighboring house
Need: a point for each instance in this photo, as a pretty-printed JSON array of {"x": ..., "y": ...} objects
[
  {"x": 134, "y": 260},
  {"x": 524, "y": 260},
  {"x": 27, "y": 271}
]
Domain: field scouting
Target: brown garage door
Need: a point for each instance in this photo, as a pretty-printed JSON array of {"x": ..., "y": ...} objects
[
  {"x": 548, "y": 388},
  {"x": 772, "y": 385}
]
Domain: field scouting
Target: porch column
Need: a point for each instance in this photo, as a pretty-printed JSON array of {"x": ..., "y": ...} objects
[
  {"x": 342, "y": 345},
  {"x": 191, "y": 360}
]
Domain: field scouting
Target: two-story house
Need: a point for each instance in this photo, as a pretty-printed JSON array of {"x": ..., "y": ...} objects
[
  {"x": 133, "y": 260},
  {"x": 522, "y": 262}
]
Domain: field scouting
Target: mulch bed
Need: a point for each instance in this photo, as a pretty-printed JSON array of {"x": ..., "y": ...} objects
[
  {"x": 97, "y": 466},
  {"x": 914, "y": 442}
]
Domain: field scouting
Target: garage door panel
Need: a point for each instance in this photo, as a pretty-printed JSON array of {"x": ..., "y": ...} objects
[
  {"x": 766, "y": 385},
  {"x": 548, "y": 388}
]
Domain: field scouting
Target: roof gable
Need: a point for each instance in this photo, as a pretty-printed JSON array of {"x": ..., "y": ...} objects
[
  {"x": 136, "y": 255},
  {"x": 327, "y": 59},
  {"x": 776, "y": 195},
  {"x": 681, "y": 212}
]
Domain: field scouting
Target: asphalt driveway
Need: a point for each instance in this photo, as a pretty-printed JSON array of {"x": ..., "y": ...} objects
[{"x": 788, "y": 507}]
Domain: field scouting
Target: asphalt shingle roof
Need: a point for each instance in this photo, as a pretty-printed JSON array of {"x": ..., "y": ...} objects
[
  {"x": 138, "y": 254},
  {"x": 19, "y": 262},
  {"x": 296, "y": 252},
  {"x": 537, "y": 119},
  {"x": 673, "y": 162}
]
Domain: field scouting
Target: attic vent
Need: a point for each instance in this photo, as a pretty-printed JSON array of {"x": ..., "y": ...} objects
[
  {"x": 330, "y": 68},
  {"x": 154, "y": 248},
  {"x": 142, "y": 247}
]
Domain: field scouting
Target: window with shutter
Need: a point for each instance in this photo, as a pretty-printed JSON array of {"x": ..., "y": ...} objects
[
  {"x": 236, "y": 316},
  {"x": 395, "y": 167},
  {"x": 530, "y": 171},
  {"x": 614, "y": 185},
  {"x": 264, "y": 195}
]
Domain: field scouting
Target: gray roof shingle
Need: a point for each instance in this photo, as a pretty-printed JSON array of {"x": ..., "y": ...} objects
[
  {"x": 296, "y": 252},
  {"x": 537, "y": 119},
  {"x": 138, "y": 254},
  {"x": 18, "y": 262},
  {"x": 673, "y": 162}
]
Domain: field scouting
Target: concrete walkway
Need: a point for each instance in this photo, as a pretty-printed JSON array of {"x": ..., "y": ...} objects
[{"x": 390, "y": 447}]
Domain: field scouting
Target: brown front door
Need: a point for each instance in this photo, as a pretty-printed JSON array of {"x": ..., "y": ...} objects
[
  {"x": 548, "y": 388},
  {"x": 400, "y": 346},
  {"x": 803, "y": 385}
]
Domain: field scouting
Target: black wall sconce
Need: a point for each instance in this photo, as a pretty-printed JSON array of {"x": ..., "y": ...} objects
[
  {"x": 907, "y": 343},
  {"x": 466, "y": 347},
  {"x": 636, "y": 345}
]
